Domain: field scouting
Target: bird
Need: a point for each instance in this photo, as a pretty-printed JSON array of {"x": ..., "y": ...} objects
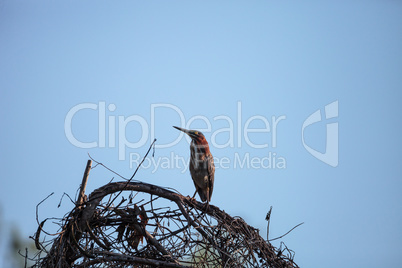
[{"x": 202, "y": 168}]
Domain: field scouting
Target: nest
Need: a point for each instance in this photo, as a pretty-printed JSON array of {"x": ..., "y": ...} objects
[{"x": 135, "y": 224}]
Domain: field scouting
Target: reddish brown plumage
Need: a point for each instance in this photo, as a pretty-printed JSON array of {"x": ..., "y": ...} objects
[{"x": 202, "y": 166}]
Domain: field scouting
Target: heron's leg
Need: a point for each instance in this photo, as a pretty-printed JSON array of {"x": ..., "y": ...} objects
[
  {"x": 206, "y": 206},
  {"x": 194, "y": 194}
]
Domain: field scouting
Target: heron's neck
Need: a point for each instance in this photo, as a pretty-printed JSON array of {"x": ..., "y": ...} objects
[{"x": 200, "y": 146}]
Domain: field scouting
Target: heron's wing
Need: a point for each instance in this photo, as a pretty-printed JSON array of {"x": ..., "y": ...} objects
[{"x": 211, "y": 174}]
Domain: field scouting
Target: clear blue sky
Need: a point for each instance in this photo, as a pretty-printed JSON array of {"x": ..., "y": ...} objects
[{"x": 202, "y": 61}]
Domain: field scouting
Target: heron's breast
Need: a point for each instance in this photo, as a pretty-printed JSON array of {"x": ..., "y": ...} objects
[{"x": 199, "y": 175}]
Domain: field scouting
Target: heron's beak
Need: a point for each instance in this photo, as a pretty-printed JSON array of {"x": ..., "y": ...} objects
[{"x": 182, "y": 129}]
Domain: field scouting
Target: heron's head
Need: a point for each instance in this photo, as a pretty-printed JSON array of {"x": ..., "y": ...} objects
[{"x": 195, "y": 135}]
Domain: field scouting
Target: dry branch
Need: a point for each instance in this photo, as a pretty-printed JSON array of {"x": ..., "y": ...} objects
[
  {"x": 81, "y": 195},
  {"x": 156, "y": 228}
]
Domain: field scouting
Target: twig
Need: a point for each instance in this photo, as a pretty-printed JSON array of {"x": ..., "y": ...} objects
[
  {"x": 135, "y": 172},
  {"x": 81, "y": 195},
  {"x": 37, "y": 234},
  {"x": 143, "y": 159},
  {"x": 61, "y": 199},
  {"x": 287, "y": 232},
  {"x": 268, "y": 219},
  {"x": 26, "y": 257},
  {"x": 37, "y": 218},
  {"x": 114, "y": 257},
  {"x": 100, "y": 164}
]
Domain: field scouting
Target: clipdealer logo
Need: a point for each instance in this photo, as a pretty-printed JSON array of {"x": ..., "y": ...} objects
[
  {"x": 330, "y": 156},
  {"x": 111, "y": 133}
]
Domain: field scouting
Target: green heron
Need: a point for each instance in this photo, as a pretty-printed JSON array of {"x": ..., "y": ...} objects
[{"x": 202, "y": 166}]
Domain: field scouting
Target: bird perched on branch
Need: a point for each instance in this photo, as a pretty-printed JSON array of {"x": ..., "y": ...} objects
[{"x": 202, "y": 166}]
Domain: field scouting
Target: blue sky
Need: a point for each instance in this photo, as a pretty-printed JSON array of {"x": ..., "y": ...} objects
[{"x": 205, "y": 60}]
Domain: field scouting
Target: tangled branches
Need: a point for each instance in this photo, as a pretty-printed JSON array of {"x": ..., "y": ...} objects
[{"x": 135, "y": 224}]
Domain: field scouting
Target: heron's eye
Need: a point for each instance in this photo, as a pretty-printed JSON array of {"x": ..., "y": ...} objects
[{"x": 196, "y": 132}]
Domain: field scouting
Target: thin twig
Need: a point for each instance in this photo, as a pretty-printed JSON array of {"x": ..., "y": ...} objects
[
  {"x": 61, "y": 199},
  {"x": 37, "y": 218},
  {"x": 268, "y": 219},
  {"x": 286, "y": 232},
  {"x": 100, "y": 164},
  {"x": 135, "y": 172},
  {"x": 143, "y": 159}
]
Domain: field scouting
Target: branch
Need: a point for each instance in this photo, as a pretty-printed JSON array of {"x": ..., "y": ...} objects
[
  {"x": 99, "y": 232},
  {"x": 115, "y": 257},
  {"x": 37, "y": 218},
  {"x": 81, "y": 195},
  {"x": 287, "y": 232},
  {"x": 135, "y": 172}
]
